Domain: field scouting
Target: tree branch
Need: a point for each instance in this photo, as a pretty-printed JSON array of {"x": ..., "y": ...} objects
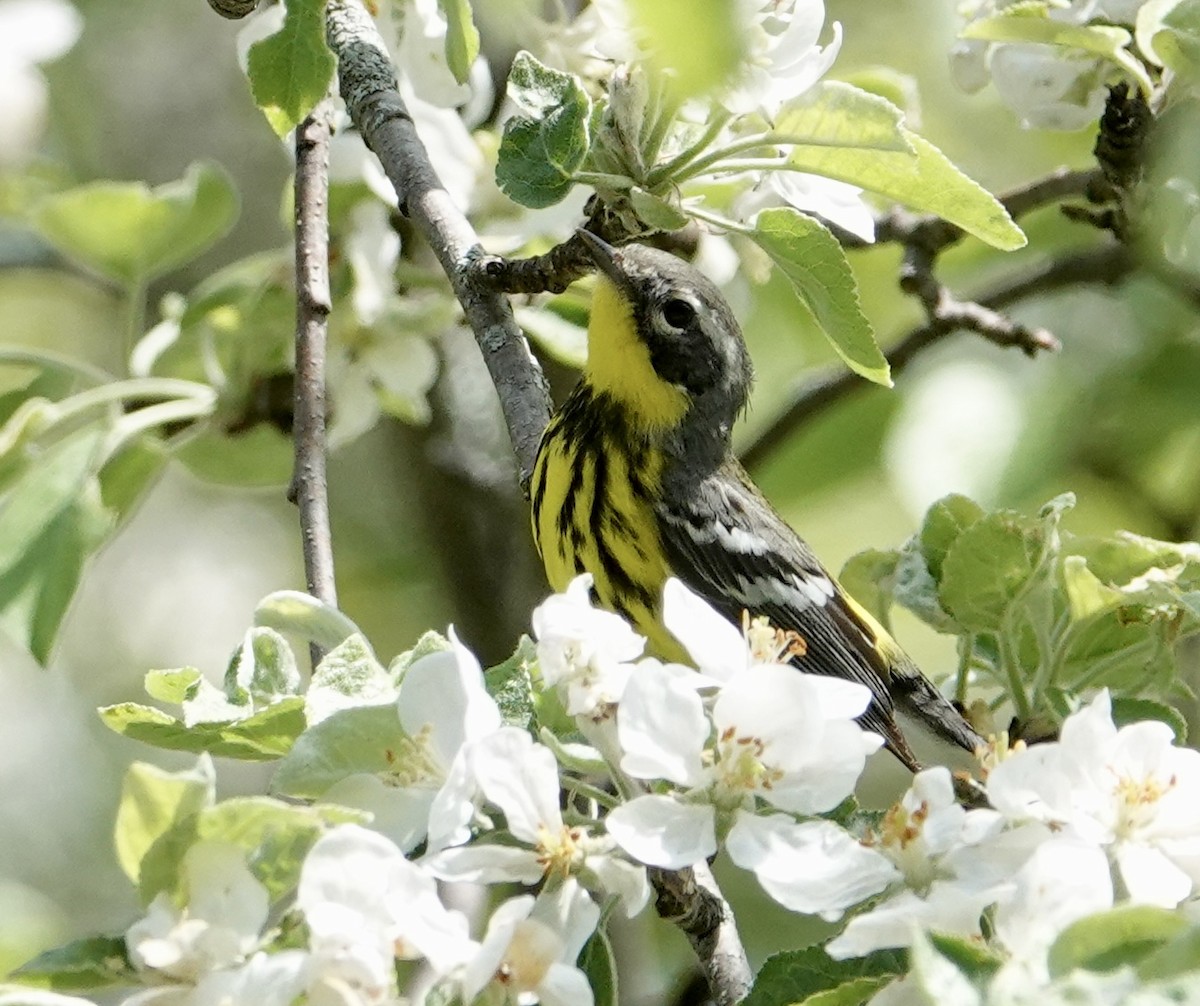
[
  {"x": 1105, "y": 265},
  {"x": 692, "y": 900},
  {"x": 309, "y": 489},
  {"x": 368, "y": 84}
]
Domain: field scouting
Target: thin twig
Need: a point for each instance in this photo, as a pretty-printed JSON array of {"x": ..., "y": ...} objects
[
  {"x": 692, "y": 900},
  {"x": 368, "y": 84},
  {"x": 1105, "y": 265},
  {"x": 309, "y": 488}
]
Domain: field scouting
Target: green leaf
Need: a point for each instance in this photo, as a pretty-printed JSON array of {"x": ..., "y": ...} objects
[
  {"x": 944, "y": 522},
  {"x": 265, "y": 736},
  {"x": 598, "y": 962},
  {"x": 302, "y": 614},
  {"x": 510, "y": 684},
  {"x": 852, "y": 993},
  {"x": 132, "y": 233},
  {"x": 84, "y": 964},
  {"x": 176, "y": 686},
  {"x": 349, "y": 675},
  {"x": 290, "y": 71},
  {"x": 1128, "y": 709},
  {"x": 262, "y": 668},
  {"x": 796, "y": 975},
  {"x": 153, "y": 801},
  {"x": 654, "y": 212},
  {"x": 462, "y": 38},
  {"x": 1102, "y": 40},
  {"x": 836, "y": 114},
  {"x": 1087, "y": 596},
  {"x": 430, "y": 642},
  {"x": 869, "y": 577},
  {"x": 988, "y": 566},
  {"x": 1168, "y": 33},
  {"x": 541, "y": 151},
  {"x": 1179, "y": 955},
  {"x": 1109, "y": 940},
  {"x": 917, "y": 590},
  {"x": 938, "y": 978},
  {"x": 699, "y": 44},
  {"x": 924, "y": 180},
  {"x": 51, "y": 520},
  {"x": 362, "y": 739},
  {"x": 126, "y": 478},
  {"x": 975, "y": 959},
  {"x": 814, "y": 262},
  {"x": 274, "y": 835}
]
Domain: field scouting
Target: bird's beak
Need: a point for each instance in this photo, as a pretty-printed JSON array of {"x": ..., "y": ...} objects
[{"x": 606, "y": 257}]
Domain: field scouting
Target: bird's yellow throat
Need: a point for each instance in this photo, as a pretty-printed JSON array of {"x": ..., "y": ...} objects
[{"x": 619, "y": 363}]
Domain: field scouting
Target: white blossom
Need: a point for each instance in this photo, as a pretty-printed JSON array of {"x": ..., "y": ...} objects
[
  {"x": 583, "y": 651},
  {"x": 364, "y": 904},
  {"x": 531, "y": 946},
  {"x": 429, "y": 793},
  {"x": 954, "y": 862},
  {"x": 219, "y": 925},
  {"x": 777, "y": 736},
  {"x": 520, "y": 777},
  {"x": 1130, "y": 791},
  {"x": 784, "y": 58},
  {"x": 31, "y": 32}
]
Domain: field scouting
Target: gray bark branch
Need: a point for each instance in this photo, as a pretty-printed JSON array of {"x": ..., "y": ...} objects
[{"x": 368, "y": 85}]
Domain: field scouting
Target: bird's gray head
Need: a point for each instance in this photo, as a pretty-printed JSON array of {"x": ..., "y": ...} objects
[{"x": 662, "y": 340}]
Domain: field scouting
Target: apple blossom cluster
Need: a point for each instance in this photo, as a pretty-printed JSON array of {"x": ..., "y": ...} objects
[
  {"x": 421, "y": 789},
  {"x": 1102, "y": 817},
  {"x": 1052, "y": 79}
]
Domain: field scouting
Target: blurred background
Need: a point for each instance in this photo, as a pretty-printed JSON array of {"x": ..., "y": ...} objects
[{"x": 428, "y": 526}]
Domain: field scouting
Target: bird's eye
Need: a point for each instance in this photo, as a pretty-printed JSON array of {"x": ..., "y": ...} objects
[{"x": 678, "y": 313}]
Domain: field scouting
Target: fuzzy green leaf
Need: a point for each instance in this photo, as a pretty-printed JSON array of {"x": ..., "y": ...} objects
[
  {"x": 541, "y": 150},
  {"x": 85, "y": 964},
  {"x": 462, "y": 38},
  {"x": 836, "y": 114},
  {"x": 923, "y": 180},
  {"x": 362, "y": 739},
  {"x": 944, "y": 522},
  {"x": 300, "y": 613},
  {"x": 152, "y": 802},
  {"x": 132, "y": 233},
  {"x": 794, "y": 976},
  {"x": 290, "y": 70},
  {"x": 1102, "y": 40},
  {"x": 814, "y": 262},
  {"x": 510, "y": 684},
  {"x": 265, "y": 736},
  {"x": 1109, "y": 940}
]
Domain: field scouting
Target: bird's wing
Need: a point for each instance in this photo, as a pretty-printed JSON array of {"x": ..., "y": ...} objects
[{"x": 727, "y": 543}]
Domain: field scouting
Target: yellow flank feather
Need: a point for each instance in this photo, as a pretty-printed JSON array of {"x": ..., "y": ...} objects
[
  {"x": 619, "y": 362},
  {"x": 615, "y": 537}
]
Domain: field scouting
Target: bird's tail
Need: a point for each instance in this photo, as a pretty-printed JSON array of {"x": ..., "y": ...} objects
[{"x": 920, "y": 698}]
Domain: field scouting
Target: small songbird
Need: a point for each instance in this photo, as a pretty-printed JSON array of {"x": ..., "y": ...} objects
[{"x": 635, "y": 482}]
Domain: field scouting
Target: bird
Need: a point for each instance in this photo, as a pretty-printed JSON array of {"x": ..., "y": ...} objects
[{"x": 635, "y": 481}]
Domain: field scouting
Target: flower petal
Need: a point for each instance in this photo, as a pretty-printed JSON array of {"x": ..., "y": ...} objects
[{"x": 661, "y": 831}]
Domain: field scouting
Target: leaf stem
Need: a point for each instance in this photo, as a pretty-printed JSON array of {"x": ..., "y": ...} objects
[
  {"x": 671, "y": 168},
  {"x": 53, "y": 361},
  {"x": 724, "y": 223},
  {"x": 136, "y": 423},
  {"x": 135, "y": 316},
  {"x": 1012, "y": 670}
]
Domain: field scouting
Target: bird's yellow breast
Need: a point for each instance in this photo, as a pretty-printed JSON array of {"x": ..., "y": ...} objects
[{"x": 592, "y": 512}]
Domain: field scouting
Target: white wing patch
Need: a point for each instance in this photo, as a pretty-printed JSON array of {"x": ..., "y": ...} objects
[
  {"x": 735, "y": 539},
  {"x": 796, "y": 592}
]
